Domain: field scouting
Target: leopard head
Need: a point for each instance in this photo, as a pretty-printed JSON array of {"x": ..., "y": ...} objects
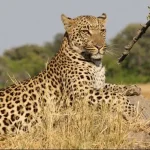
[{"x": 87, "y": 34}]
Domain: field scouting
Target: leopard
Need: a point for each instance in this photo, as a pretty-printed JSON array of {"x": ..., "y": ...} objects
[{"x": 75, "y": 72}]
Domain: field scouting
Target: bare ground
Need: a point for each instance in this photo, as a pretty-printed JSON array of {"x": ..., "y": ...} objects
[{"x": 145, "y": 90}]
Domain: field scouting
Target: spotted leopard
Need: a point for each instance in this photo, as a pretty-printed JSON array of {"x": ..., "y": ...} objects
[{"x": 76, "y": 72}]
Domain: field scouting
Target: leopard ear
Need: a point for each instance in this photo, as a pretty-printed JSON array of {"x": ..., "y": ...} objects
[
  {"x": 103, "y": 18},
  {"x": 67, "y": 22}
]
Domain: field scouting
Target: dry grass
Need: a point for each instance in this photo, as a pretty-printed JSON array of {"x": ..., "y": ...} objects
[
  {"x": 82, "y": 127},
  {"x": 78, "y": 127}
]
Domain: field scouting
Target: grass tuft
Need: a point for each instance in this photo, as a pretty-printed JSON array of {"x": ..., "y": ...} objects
[{"x": 79, "y": 127}]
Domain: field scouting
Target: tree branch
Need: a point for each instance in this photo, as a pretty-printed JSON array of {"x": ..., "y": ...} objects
[{"x": 128, "y": 47}]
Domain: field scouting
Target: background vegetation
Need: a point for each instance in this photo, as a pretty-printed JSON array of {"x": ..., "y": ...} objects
[
  {"x": 136, "y": 67},
  {"x": 28, "y": 60}
]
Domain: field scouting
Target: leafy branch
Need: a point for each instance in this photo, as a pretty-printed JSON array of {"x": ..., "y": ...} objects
[{"x": 139, "y": 34}]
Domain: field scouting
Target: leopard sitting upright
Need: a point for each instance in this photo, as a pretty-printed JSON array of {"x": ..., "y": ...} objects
[{"x": 76, "y": 72}]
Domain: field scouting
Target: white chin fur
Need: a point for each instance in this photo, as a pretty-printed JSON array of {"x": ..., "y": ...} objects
[{"x": 97, "y": 56}]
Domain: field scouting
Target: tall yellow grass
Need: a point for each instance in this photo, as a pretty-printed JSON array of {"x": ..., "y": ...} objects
[{"x": 78, "y": 127}]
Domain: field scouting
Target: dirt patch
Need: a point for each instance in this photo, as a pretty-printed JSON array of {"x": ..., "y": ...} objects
[{"x": 145, "y": 89}]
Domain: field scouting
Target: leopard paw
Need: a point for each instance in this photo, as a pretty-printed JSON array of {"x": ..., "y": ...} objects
[{"x": 133, "y": 90}]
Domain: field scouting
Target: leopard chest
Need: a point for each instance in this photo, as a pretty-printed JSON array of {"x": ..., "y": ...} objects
[{"x": 98, "y": 77}]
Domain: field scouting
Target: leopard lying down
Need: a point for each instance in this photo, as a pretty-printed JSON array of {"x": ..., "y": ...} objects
[{"x": 76, "y": 72}]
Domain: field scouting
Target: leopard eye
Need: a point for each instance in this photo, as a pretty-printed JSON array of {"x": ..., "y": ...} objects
[
  {"x": 103, "y": 30},
  {"x": 86, "y": 32}
]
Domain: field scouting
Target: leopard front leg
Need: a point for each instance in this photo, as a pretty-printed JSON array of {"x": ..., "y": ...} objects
[
  {"x": 111, "y": 95},
  {"x": 116, "y": 102},
  {"x": 127, "y": 90}
]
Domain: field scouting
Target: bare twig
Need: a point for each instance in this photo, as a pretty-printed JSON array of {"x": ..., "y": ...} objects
[{"x": 128, "y": 47}]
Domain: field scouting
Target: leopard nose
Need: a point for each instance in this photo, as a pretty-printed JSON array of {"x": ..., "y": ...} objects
[{"x": 98, "y": 46}]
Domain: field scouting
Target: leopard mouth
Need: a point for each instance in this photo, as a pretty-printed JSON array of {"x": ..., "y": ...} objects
[
  {"x": 90, "y": 58},
  {"x": 97, "y": 59},
  {"x": 97, "y": 62},
  {"x": 97, "y": 56}
]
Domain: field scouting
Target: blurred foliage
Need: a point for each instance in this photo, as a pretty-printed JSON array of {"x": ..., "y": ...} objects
[
  {"x": 29, "y": 60},
  {"x": 136, "y": 67},
  {"x": 25, "y": 61}
]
